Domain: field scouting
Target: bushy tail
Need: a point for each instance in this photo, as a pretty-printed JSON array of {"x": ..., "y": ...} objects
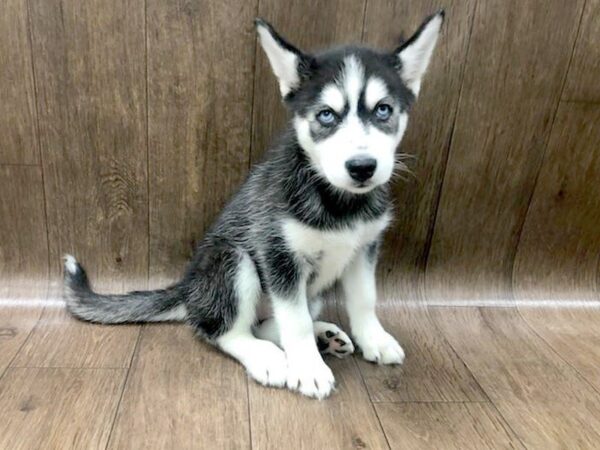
[{"x": 139, "y": 306}]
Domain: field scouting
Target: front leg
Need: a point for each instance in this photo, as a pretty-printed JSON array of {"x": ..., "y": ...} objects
[
  {"x": 307, "y": 372},
  {"x": 358, "y": 281}
]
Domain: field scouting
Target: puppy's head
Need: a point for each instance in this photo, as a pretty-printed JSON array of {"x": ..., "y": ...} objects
[{"x": 350, "y": 105}]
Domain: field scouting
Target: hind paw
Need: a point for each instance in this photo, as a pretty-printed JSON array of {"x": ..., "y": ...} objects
[{"x": 332, "y": 340}]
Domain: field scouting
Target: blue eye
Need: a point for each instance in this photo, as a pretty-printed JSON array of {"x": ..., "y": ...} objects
[
  {"x": 383, "y": 111},
  {"x": 326, "y": 117}
]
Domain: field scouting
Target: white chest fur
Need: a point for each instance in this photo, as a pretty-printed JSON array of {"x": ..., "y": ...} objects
[{"x": 330, "y": 251}]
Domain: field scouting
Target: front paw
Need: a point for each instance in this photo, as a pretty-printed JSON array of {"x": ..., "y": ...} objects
[
  {"x": 309, "y": 375},
  {"x": 378, "y": 346}
]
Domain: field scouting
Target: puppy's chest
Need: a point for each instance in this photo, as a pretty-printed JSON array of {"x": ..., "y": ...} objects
[{"x": 328, "y": 252}]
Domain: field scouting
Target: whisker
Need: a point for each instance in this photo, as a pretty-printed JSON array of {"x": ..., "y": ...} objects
[
  {"x": 401, "y": 169},
  {"x": 405, "y": 156}
]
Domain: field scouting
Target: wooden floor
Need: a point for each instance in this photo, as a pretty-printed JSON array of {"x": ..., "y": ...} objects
[{"x": 473, "y": 378}]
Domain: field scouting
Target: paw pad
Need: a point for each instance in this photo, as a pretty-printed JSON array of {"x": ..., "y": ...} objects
[{"x": 336, "y": 343}]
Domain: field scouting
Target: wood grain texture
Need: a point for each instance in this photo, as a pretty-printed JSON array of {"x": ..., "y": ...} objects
[
  {"x": 90, "y": 66},
  {"x": 544, "y": 401},
  {"x": 573, "y": 334},
  {"x": 200, "y": 80},
  {"x": 310, "y": 26},
  {"x": 513, "y": 77},
  {"x": 18, "y": 127},
  {"x": 458, "y": 426},
  {"x": 58, "y": 408},
  {"x": 428, "y": 134},
  {"x": 183, "y": 394},
  {"x": 345, "y": 420},
  {"x": 432, "y": 372},
  {"x": 15, "y": 325},
  {"x": 59, "y": 340},
  {"x": 559, "y": 252},
  {"x": 582, "y": 82},
  {"x": 23, "y": 245}
]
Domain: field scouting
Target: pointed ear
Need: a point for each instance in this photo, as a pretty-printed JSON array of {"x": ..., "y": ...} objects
[
  {"x": 286, "y": 60},
  {"x": 413, "y": 56}
]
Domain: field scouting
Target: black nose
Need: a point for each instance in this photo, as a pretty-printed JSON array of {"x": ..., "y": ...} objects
[{"x": 361, "y": 168}]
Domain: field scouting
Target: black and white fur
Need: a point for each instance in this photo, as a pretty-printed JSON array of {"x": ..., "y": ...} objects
[{"x": 311, "y": 214}]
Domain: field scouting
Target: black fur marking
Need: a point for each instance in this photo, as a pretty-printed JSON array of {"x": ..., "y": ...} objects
[
  {"x": 322, "y": 344},
  {"x": 211, "y": 299},
  {"x": 259, "y": 270},
  {"x": 327, "y": 67},
  {"x": 318, "y": 132},
  {"x": 313, "y": 201},
  {"x": 282, "y": 270},
  {"x": 367, "y": 116}
]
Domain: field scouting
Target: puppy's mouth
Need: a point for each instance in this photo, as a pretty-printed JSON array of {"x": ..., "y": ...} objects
[{"x": 362, "y": 187}]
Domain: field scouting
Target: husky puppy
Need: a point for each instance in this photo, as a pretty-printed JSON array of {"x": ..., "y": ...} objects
[{"x": 312, "y": 213}]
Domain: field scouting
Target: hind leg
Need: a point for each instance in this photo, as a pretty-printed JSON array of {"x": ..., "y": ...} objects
[
  {"x": 263, "y": 360},
  {"x": 331, "y": 339}
]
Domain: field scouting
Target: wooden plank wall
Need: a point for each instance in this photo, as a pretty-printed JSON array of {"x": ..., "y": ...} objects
[
  {"x": 127, "y": 125},
  {"x": 200, "y": 77}
]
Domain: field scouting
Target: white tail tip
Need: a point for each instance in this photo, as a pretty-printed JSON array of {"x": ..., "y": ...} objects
[{"x": 70, "y": 264}]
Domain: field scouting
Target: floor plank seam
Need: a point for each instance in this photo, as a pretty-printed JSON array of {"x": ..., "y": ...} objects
[
  {"x": 433, "y": 402},
  {"x": 495, "y": 407},
  {"x": 591, "y": 304},
  {"x": 451, "y": 347},
  {"x": 369, "y": 397},
  {"x": 385, "y": 436},
  {"x": 20, "y": 164},
  {"x": 581, "y": 102},
  {"x": 556, "y": 353},
  {"x": 127, "y": 375},
  {"x": 483, "y": 391},
  {"x": 362, "y": 379},
  {"x": 9, "y": 365},
  {"x": 25, "y": 366},
  {"x": 474, "y": 304}
]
